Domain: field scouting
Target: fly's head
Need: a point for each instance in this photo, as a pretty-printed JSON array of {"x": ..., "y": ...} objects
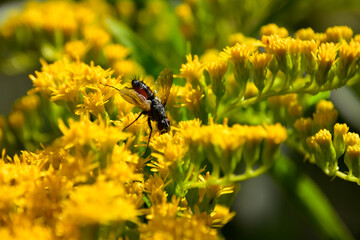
[{"x": 163, "y": 125}]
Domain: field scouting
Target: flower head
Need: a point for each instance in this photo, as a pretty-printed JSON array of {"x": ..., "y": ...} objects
[
  {"x": 192, "y": 70},
  {"x": 337, "y": 33}
]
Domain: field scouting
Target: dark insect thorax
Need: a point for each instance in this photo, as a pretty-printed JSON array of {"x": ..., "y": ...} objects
[{"x": 142, "y": 89}]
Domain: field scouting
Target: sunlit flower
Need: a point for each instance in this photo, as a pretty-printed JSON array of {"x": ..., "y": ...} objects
[
  {"x": 86, "y": 207},
  {"x": 192, "y": 70},
  {"x": 93, "y": 103}
]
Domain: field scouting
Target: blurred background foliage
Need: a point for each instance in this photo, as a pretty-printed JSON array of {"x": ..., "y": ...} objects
[{"x": 159, "y": 34}]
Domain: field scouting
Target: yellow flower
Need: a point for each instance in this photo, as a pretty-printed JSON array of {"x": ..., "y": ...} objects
[
  {"x": 192, "y": 98},
  {"x": 352, "y": 139},
  {"x": 239, "y": 53},
  {"x": 276, "y": 134},
  {"x": 305, "y": 34},
  {"x": 217, "y": 70},
  {"x": 93, "y": 103},
  {"x": 173, "y": 227},
  {"x": 127, "y": 68},
  {"x": 347, "y": 55},
  {"x": 168, "y": 149},
  {"x": 325, "y": 115},
  {"x": 85, "y": 207},
  {"x": 278, "y": 46},
  {"x": 76, "y": 49},
  {"x": 325, "y": 58},
  {"x": 85, "y": 133},
  {"x": 352, "y": 160},
  {"x": 221, "y": 216},
  {"x": 23, "y": 228},
  {"x": 273, "y": 29},
  {"x": 304, "y": 126},
  {"x": 95, "y": 36},
  {"x": 339, "y": 138},
  {"x": 114, "y": 52},
  {"x": 134, "y": 128},
  {"x": 192, "y": 70},
  {"x": 323, "y": 137},
  {"x": 337, "y": 33},
  {"x": 154, "y": 186},
  {"x": 260, "y": 62},
  {"x": 308, "y": 49}
]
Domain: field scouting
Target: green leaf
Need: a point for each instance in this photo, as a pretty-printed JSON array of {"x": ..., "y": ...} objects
[{"x": 309, "y": 198}]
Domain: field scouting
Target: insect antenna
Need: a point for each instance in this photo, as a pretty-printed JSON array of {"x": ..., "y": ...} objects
[{"x": 110, "y": 86}]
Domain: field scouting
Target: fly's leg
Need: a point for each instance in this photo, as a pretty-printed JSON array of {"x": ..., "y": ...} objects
[
  {"x": 147, "y": 146},
  {"x": 134, "y": 120}
]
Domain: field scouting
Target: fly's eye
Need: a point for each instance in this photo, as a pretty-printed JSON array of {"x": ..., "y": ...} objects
[{"x": 164, "y": 125}]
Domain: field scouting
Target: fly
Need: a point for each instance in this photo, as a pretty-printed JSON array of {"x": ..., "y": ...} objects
[{"x": 151, "y": 103}]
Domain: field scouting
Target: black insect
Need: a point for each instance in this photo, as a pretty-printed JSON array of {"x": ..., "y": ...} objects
[{"x": 152, "y": 103}]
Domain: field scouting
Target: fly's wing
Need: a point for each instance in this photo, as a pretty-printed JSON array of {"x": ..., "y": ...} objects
[
  {"x": 163, "y": 85},
  {"x": 134, "y": 98}
]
